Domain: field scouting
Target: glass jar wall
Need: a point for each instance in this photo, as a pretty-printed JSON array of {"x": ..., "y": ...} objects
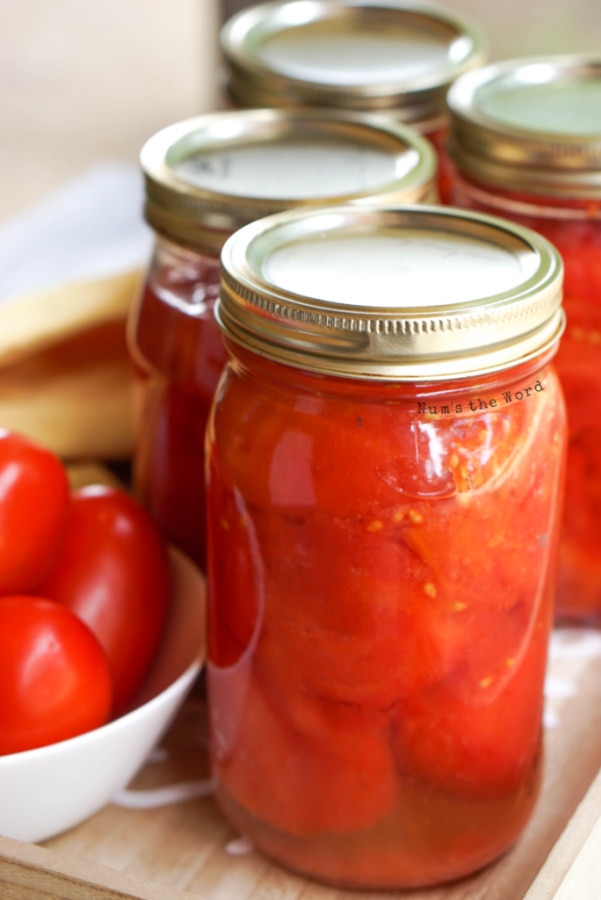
[
  {"x": 525, "y": 143},
  {"x": 204, "y": 178},
  {"x": 385, "y": 470}
]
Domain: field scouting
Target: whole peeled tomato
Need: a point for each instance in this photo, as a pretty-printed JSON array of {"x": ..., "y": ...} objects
[
  {"x": 113, "y": 572},
  {"x": 34, "y": 508},
  {"x": 55, "y": 681}
]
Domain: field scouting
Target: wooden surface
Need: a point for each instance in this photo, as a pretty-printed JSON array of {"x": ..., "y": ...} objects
[{"x": 185, "y": 849}]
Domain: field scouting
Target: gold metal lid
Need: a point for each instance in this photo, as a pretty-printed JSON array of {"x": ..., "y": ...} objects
[
  {"x": 396, "y": 293},
  {"x": 364, "y": 55},
  {"x": 207, "y": 176},
  {"x": 530, "y": 124}
]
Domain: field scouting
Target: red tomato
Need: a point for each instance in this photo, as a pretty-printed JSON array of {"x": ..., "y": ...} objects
[
  {"x": 34, "y": 507},
  {"x": 55, "y": 682},
  {"x": 113, "y": 572},
  {"x": 483, "y": 742},
  {"x": 329, "y": 766}
]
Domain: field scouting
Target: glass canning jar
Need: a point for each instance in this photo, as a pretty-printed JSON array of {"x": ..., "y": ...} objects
[
  {"x": 397, "y": 58},
  {"x": 525, "y": 143},
  {"x": 205, "y": 177},
  {"x": 385, "y": 461}
]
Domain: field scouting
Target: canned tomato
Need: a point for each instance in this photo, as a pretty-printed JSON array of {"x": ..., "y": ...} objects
[
  {"x": 397, "y": 58},
  {"x": 385, "y": 469},
  {"x": 205, "y": 177},
  {"x": 525, "y": 141}
]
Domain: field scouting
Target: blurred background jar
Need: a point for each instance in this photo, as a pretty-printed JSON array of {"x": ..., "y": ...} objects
[
  {"x": 525, "y": 142},
  {"x": 391, "y": 57},
  {"x": 205, "y": 177},
  {"x": 385, "y": 472}
]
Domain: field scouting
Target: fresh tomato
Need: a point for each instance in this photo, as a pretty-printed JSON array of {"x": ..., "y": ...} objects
[
  {"x": 113, "y": 572},
  {"x": 55, "y": 681},
  {"x": 34, "y": 507}
]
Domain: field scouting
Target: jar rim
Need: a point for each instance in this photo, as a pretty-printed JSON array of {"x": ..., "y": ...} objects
[
  {"x": 274, "y": 55},
  {"x": 525, "y": 124},
  {"x": 207, "y": 176},
  {"x": 429, "y": 312}
]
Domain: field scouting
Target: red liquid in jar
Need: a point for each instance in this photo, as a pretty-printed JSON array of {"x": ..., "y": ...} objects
[
  {"x": 381, "y": 600},
  {"x": 443, "y": 174},
  {"x": 179, "y": 355},
  {"x": 578, "y": 239}
]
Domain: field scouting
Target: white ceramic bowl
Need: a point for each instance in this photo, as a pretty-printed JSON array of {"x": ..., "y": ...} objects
[{"x": 50, "y": 789}]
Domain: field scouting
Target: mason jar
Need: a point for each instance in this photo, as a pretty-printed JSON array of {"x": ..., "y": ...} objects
[
  {"x": 525, "y": 143},
  {"x": 395, "y": 58},
  {"x": 385, "y": 459},
  {"x": 205, "y": 177}
]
